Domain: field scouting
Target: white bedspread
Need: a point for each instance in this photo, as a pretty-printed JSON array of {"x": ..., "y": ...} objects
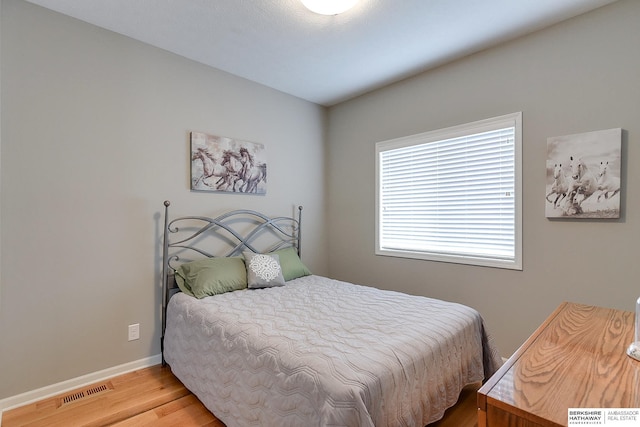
[{"x": 319, "y": 352}]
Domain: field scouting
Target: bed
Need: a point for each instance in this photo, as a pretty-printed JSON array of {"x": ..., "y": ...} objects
[{"x": 301, "y": 349}]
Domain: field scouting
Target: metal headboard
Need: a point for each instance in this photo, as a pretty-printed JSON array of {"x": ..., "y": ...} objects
[{"x": 282, "y": 232}]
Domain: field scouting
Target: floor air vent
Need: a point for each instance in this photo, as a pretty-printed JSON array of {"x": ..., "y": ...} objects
[
  {"x": 97, "y": 389},
  {"x": 73, "y": 397},
  {"x": 81, "y": 394}
]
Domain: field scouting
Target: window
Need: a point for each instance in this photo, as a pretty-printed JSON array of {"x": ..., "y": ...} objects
[{"x": 453, "y": 194}]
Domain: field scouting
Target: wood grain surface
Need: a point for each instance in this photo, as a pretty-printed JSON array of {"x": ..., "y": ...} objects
[
  {"x": 151, "y": 397},
  {"x": 576, "y": 359}
]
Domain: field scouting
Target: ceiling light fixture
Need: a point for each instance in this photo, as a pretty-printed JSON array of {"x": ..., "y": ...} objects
[{"x": 329, "y": 7}]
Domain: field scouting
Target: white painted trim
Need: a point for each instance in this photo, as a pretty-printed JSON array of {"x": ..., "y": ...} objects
[{"x": 64, "y": 386}]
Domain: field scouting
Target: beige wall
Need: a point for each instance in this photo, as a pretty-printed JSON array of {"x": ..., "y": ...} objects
[
  {"x": 581, "y": 75},
  {"x": 94, "y": 138}
]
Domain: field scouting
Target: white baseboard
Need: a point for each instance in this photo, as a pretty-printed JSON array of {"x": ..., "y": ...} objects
[{"x": 62, "y": 387}]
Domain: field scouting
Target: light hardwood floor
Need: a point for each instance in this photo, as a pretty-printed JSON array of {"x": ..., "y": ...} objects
[{"x": 154, "y": 397}]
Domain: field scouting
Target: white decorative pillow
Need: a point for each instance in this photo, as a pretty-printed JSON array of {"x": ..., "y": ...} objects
[{"x": 263, "y": 270}]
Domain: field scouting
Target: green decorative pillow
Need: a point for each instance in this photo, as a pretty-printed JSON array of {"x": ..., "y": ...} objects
[
  {"x": 211, "y": 276},
  {"x": 292, "y": 266},
  {"x": 263, "y": 270}
]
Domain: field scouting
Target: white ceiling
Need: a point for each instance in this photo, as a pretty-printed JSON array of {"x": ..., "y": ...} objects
[{"x": 323, "y": 59}]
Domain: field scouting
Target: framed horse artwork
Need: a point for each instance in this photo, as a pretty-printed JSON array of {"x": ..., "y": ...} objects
[
  {"x": 583, "y": 175},
  {"x": 227, "y": 165}
]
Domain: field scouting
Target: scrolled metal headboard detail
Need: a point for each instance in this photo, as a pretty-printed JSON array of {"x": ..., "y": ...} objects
[{"x": 283, "y": 232}]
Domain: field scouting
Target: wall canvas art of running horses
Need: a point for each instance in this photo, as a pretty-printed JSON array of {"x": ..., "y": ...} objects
[
  {"x": 228, "y": 165},
  {"x": 583, "y": 175}
]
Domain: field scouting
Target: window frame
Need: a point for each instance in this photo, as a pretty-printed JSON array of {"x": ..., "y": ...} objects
[{"x": 504, "y": 121}]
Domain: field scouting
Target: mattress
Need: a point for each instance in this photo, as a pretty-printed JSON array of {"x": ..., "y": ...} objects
[{"x": 321, "y": 352}]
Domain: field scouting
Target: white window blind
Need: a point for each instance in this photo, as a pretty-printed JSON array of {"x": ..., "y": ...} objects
[{"x": 451, "y": 195}]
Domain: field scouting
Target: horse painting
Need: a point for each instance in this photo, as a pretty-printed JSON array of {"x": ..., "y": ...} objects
[
  {"x": 252, "y": 172},
  {"x": 211, "y": 169},
  {"x": 230, "y": 160},
  {"x": 560, "y": 186},
  {"x": 225, "y": 164},
  {"x": 584, "y": 183},
  {"x": 583, "y": 175},
  {"x": 242, "y": 165},
  {"x": 608, "y": 184}
]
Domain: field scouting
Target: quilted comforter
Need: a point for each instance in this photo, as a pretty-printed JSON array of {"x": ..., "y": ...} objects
[{"x": 320, "y": 352}]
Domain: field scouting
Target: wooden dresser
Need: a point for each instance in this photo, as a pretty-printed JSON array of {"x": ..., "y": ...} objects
[{"x": 575, "y": 359}]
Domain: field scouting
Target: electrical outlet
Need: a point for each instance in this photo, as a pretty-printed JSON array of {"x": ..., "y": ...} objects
[{"x": 134, "y": 331}]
